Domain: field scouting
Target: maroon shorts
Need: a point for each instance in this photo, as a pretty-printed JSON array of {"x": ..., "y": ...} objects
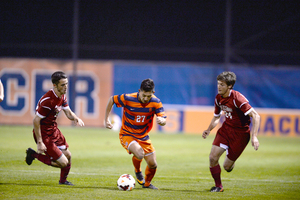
[
  {"x": 233, "y": 140},
  {"x": 55, "y": 142}
]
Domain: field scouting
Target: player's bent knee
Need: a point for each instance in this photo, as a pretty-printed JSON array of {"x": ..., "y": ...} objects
[
  {"x": 228, "y": 168},
  {"x": 62, "y": 161},
  {"x": 67, "y": 153},
  {"x": 153, "y": 165},
  {"x": 63, "y": 164}
]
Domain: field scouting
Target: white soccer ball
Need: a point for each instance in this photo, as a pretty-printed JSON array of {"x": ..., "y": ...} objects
[{"x": 126, "y": 182}]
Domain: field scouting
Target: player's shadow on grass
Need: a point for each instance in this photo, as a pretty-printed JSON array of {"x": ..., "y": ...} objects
[
  {"x": 187, "y": 191},
  {"x": 61, "y": 186},
  {"x": 96, "y": 187}
]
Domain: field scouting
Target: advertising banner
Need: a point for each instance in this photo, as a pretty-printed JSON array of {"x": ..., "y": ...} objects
[
  {"x": 196, "y": 119},
  {"x": 25, "y": 81}
]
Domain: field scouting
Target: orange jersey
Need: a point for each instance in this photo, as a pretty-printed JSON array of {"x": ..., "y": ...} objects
[{"x": 137, "y": 120}]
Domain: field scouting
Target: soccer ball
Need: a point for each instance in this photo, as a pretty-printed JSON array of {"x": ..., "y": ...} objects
[{"x": 126, "y": 182}]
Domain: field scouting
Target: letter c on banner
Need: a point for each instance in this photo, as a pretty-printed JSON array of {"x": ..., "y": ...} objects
[
  {"x": 281, "y": 125},
  {"x": 15, "y": 84}
]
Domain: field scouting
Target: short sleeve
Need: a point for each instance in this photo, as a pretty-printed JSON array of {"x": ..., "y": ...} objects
[
  {"x": 159, "y": 110},
  {"x": 119, "y": 100},
  {"x": 242, "y": 103},
  {"x": 44, "y": 108},
  {"x": 217, "y": 111}
]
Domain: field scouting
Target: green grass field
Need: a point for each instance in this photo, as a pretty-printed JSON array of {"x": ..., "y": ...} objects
[{"x": 98, "y": 159}]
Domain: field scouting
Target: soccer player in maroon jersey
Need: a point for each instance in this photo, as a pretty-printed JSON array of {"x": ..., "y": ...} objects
[
  {"x": 234, "y": 134},
  {"x": 52, "y": 147},
  {"x": 137, "y": 121}
]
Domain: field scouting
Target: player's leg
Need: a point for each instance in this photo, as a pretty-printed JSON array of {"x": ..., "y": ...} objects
[
  {"x": 237, "y": 146},
  {"x": 220, "y": 145},
  {"x": 32, "y": 155},
  {"x": 61, "y": 162},
  {"x": 52, "y": 157},
  {"x": 66, "y": 155},
  {"x": 150, "y": 158},
  {"x": 137, "y": 164},
  {"x": 215, "y": 155},
  {"x": 135, "y": 148},
  {"x": 150, "y": 170},
  {"x": 49, "y": 156},
  {"x": 228, "y": 164},
  {"x": 55, "y": 151},
  {"x": 64, "y": 172},
  {"x": 44, "y": 158},
  {"x": 215, "y": 168},
  {"x": 137, "y": 158}
]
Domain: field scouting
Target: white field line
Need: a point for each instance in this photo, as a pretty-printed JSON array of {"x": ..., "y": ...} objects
[{"x": 169, "y": 177}]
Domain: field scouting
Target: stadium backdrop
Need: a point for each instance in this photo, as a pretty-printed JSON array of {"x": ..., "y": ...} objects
[{"x": 187, "y": 91}]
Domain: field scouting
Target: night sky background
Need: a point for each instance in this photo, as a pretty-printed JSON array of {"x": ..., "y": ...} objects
[{"x": 262, "y": 32}]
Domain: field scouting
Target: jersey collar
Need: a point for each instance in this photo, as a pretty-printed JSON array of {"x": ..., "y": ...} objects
[{"x": 54, "y": 93}]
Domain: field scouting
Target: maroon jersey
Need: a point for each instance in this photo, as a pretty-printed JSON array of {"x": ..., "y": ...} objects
[
  {"x": 236, "y": 109},
  {"x": 48, "y": 108}
]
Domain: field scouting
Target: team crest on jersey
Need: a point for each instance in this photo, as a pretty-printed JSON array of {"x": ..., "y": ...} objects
[
  {"x": 225, "y": 108},
  {"x": 227, "y": 111},
  {"x": 57, "y": 110}
]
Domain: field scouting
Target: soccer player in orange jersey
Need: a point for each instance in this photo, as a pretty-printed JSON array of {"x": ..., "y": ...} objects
[{"x": 137, "y": 121}]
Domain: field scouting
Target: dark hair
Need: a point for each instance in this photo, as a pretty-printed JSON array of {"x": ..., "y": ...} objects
[
  {"x": 56, "y": 76},
  {"x": 147, "y": 85},
  {"x": 228, "y": 77}
]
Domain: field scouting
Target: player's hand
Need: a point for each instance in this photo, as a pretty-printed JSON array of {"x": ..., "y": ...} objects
[
  {"x": 161, "y": 121},
  {"x": 41, "y": 148},
  {"x": 255, "y": 143},
  {"x": 205, "y": 133},
  {"x": 79, "y": 122},
  {"x": 108, "y": 124}
]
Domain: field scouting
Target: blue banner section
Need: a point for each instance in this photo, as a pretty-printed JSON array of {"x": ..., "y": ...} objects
[
  {"x": 196, "y": 84},
  {"x": 269, "y": 87}
]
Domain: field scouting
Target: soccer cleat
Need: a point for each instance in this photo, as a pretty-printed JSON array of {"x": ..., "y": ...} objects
[
  {"x": 66, "y": 183},
  {"x": 151, "y": 187},
  {"x": 216, "y": 189},
  {"x": 140, "y": 178},
  {"x": 29, "y": 156}
]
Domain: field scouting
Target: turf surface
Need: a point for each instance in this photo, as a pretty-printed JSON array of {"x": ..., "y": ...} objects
[{"x": 98, "y": 159}]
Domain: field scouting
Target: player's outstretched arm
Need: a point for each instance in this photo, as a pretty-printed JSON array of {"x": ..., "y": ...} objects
[
  {"x": 72, "y": 116},
  {"x": 254, "y": 130},
  {"x": 214, "y": 122},
  {"x": 109, "y": 106}
]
